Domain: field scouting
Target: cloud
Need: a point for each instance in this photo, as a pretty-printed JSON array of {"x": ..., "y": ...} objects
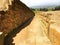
[{"x": 40, "y": 2}]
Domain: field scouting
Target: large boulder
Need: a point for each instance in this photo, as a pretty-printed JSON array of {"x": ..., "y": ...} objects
[
  {"x": 13, "y": 13},
  {"x": 15, "y": 16}
]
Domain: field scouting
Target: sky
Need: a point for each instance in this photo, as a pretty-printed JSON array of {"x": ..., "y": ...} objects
[{"x": 31, "y": 3}]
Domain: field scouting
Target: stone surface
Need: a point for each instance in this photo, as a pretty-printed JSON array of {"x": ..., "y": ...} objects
[
  {"x": 4, "y": 4},
  {"x": 17, "y": 14},
  {"x": 12, "y": 16}
]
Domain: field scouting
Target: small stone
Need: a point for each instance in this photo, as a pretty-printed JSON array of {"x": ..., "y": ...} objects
[{"x": 1, "y": 33}]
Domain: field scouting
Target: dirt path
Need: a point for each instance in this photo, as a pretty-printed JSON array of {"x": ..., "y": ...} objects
[{"x": 33, "y": 34}]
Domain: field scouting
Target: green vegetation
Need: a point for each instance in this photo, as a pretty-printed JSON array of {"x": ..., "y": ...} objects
[{"x": 46, "y": 9}]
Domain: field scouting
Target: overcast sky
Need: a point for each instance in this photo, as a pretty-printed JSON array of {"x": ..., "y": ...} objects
[{"x": 31, "y": 3}]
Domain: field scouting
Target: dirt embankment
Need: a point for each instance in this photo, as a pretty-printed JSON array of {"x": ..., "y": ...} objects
[{"x": 53, "y": 20}]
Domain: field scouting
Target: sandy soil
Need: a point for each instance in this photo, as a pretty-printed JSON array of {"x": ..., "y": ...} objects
[
  {"x": 53, "y": 19},
  {"x": 33, "y": 34}
]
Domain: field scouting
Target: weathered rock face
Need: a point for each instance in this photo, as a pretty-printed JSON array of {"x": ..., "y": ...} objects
[
  {"x": 4, "y": 4},
  {"x": 15, "y": 16}
]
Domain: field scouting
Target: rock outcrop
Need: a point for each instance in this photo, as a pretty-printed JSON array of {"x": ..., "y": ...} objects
[
  {"x": 15, "y": 16},
  {"x": 12, "y": 15}
]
